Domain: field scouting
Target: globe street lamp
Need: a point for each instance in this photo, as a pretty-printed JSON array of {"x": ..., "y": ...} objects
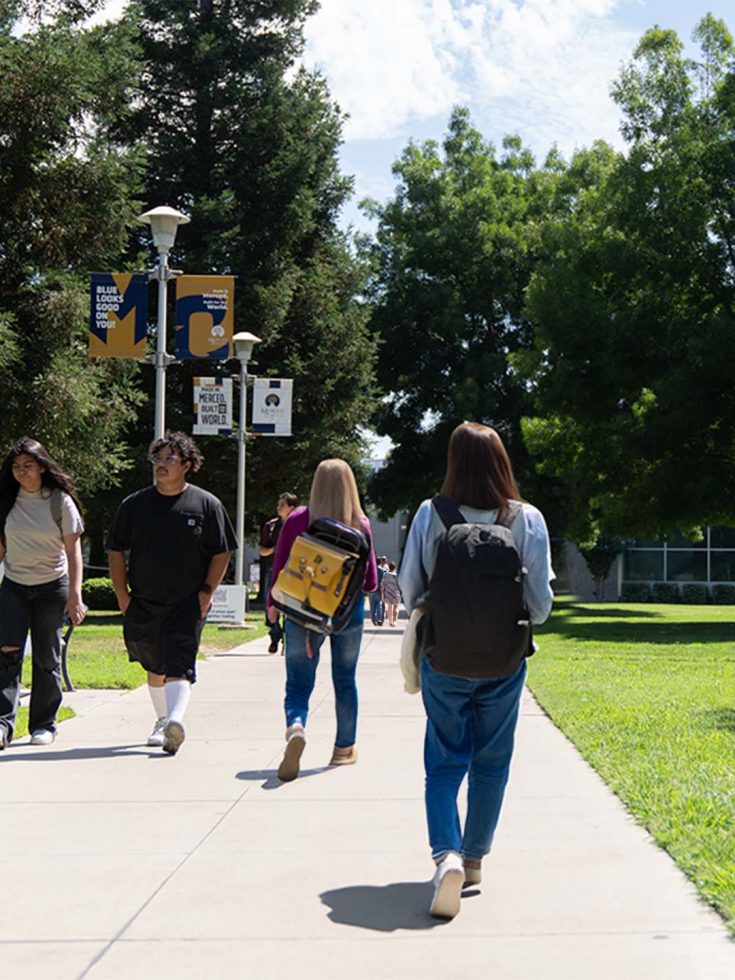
[
  {"x": 243, "y": 344},
  {"x": 164, "y": 222}
]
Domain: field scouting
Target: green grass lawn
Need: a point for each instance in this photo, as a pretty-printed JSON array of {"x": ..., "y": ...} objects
[
  {"x": 647, "y": 694},
  {"x": 97, "y": 656}
]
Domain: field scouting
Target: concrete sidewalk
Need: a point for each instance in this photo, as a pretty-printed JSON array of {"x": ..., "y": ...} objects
[{"x": 124, "y": 863}]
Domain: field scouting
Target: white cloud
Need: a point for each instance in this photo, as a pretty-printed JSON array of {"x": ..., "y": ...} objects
[{"x": 542, "y": 68}]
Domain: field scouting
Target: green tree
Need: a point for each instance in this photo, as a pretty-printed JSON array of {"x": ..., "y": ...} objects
[
  {"x": 634, "y": 350},
  {"x": 247, "y": 145},
  {"x": 67, "y": 191},
  {"x": 453, "y": 254}
]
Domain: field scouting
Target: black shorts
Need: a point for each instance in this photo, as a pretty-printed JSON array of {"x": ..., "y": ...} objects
[{"x": 164, "y": 639}]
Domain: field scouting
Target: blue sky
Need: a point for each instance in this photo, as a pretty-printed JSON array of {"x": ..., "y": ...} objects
[{"x": 539, "y": 68}]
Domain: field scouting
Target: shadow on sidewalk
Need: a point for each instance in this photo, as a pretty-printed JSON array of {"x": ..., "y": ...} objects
[
  {"x": 270, "y": 776},
  {"x": 95, "y": 752},
  {"x": 383, "y": 908}
]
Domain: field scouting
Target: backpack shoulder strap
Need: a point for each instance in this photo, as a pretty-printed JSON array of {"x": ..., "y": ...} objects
[
  {"x": 507, "y": 517},
  {"x": 56, "y": 509},
  {"x": 448, "y": 511}
]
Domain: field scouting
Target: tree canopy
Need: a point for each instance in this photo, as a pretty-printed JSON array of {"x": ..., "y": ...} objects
[
  {"x": 452, "y": 257},
  {"x": 67, "y": 197},
  {"x": 247, "y": 144},
  {"x": 634, "y": 348}
]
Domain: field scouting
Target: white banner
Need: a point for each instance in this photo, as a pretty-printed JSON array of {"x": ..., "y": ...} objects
[
  {"x": 228, "y": 604},
  {"x": 212, "y": 407},
  {"x": 272, "y": 406}
]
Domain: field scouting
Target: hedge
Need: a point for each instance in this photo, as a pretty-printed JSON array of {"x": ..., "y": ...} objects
[
  {"x": 98, "y": 593},
  {"x": 634, "y": 592},
  {"x": 664, "y": 592},
  {"x": 723, "y": 594},
  {"x": 694, "y": 593}
]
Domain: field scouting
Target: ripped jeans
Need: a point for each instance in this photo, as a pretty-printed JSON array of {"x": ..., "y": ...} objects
[{"x": 40, "y": 609}]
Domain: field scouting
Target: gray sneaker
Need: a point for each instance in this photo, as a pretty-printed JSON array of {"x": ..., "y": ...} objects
[
  {"x": 156, "y": 736},
  {"x": 3, "y": 738},
  {"x": 173, "y": 737}
]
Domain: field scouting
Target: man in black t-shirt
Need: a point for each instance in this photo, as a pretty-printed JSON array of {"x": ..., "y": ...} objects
[
  {"x": 179, "y": 540},
  {"x": 269, "y": 533}
]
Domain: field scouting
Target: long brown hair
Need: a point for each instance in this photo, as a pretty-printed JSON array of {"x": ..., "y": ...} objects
[
  {"x": 334, "y": 493},
  {"x": 479, "y": 473}
]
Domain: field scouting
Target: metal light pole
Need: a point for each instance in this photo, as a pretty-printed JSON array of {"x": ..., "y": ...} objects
[
  {"x": 243, "y": 344},
  {"x": 163, "y": 221}
]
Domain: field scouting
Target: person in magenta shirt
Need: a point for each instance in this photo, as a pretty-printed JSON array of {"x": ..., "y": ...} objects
[{"x": 334, "y": 495}]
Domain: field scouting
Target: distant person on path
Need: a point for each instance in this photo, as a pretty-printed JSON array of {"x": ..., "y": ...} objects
[
  {"x": 179, "y": 538},
  {"x": 269, "y": 534},
  {"x": 334, "y": 495},
  {"x": 377, "y": 610},
  {"x": 471, "y": 717},
  {"x": 40, "y": 528},
  {"x": 390, "y": 593}
]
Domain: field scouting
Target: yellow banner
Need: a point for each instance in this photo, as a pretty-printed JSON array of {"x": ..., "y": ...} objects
[
  {"x": 118, "y": 315},
  {"x": 204, "y": 317}
]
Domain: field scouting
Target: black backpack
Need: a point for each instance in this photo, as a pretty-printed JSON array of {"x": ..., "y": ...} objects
[{"x": 476, "y": 623}]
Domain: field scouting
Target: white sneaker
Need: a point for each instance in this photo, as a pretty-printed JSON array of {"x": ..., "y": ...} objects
[
  {"x": 42, "y": 737},
  {"x": 156, "y": 736},
  {"x": 3, "y": 738},
  {"x": 173, "y": 737},
  {"x": 448, "y": 882}
]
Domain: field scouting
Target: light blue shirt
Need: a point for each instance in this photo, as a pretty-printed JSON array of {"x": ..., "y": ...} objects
[{"x": 531, "y": 536}]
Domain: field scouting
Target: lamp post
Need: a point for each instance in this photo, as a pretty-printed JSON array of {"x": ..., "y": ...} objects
[
  {"x": 164, "y": 222},
  {"x": 243, "y": 344}
]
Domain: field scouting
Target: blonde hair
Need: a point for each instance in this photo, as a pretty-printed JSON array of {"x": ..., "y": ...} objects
[{"x": 334, "y": 493}]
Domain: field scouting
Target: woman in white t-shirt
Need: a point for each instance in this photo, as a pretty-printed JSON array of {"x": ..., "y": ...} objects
[{"x": 40, "y": 528}]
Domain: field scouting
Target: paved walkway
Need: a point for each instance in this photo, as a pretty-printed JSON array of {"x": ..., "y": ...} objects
[{"x": 123, "y": 863}]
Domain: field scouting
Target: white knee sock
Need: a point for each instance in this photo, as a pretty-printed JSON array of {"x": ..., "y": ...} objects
[
  {"x": 158, "y": 697},
  {"x": 177, "y": 698}
]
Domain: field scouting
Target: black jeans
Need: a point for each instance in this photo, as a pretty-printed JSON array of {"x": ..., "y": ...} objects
[
  {"x": 275, "y": 630},
  {"x": 39, "y": 608}
]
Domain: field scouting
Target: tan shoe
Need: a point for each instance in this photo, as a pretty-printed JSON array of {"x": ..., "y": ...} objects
[
  {"x": 472, "y": 872},
  {"x": 344, "y": 757},
  {"x": 290, "y": 763}
]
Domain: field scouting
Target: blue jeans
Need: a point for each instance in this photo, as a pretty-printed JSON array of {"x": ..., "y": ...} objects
[
  {"x": 469, "y": 731},
  {"x": 40, "y": 609},
  {"x": 376, "y": 608},
  {"x": 301, "y": 673}
]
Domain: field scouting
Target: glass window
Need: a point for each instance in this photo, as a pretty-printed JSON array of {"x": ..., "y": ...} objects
[
  {"x": 722, "y": 537},
  {"x": 722, "y": 566},
  {"x": 686, "y": 566},
  {"x": 645, "y": 543},
  {"x": 676, "y": 540},
  {"x": 643, "y": 566}
]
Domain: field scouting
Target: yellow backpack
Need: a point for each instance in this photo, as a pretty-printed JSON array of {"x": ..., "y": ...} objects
[{"x": 321, "y": 582}]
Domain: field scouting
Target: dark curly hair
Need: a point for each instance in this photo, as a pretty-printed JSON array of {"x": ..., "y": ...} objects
[
  {"x": 51, "y": 476},
  {"x": 181, "y": 444}
]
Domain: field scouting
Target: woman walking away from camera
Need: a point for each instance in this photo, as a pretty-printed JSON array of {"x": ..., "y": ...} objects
[
  {"x": 471, "y": 688},
  {"x": 40, "y": 528},
  {"x": 333, "y": 495},
  {"x": 390, "y": 594}
]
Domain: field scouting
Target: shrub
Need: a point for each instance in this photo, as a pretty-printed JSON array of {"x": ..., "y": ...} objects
[
  {"x": 664, "y": 592},
  {"x": 694, "y": 593},
  {"x": 98, "y": 593},
  {"x": 634, "y": 592},
  {"x": 723, "y": 594}
]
